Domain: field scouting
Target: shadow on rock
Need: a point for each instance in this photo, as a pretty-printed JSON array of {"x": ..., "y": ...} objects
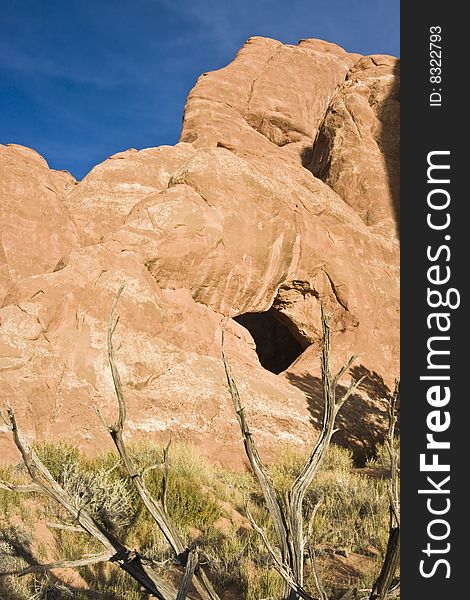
[{"x": 361, "y": 422}]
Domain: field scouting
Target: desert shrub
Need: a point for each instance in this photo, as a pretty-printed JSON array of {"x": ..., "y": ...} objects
[
  {"x": 110, "y": 583},
  {"x": 93, "y": 485},
  {"x": 207, "y": 505},
  {"x": 192, "y": 486},
  {"x": 266, "y": 584},
  {"x": 13, "y": 540},
  {"x": 109, "y": 499},
  {"x": 289, "y": 463},
  {"x": 228, "y": 555},
  {"x": 58, "y": 457},
  {"x": 353, "y": 513},
  {"x": 15, "y": 549},
  {"x": 9, "y": 501},
  {"x": 184, "y": 461},
  {"x": 354, "y": 508},
  {"x": 381, "y": 458}
]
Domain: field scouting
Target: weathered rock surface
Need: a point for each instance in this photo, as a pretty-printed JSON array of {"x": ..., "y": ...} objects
[
  {"x": 36, "y": 229},
  {"x": 280, "y": 196},
  {"x": 108, "y": 193},
  {"x": 356, "y": 152}
]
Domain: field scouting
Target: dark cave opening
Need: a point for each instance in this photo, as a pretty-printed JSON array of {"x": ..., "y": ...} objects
[{"x": 276, "y": 345}]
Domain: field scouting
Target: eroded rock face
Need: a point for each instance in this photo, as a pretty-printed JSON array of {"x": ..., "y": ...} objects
[
  {"x": 108, "y": 193},
  {"x": 356, "y": 153},
  {"x": 36, "y": 229},
  {"x": 280, "y": 197}
]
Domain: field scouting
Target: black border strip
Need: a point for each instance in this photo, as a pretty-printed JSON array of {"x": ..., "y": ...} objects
[{"x": 434, "y": 124}]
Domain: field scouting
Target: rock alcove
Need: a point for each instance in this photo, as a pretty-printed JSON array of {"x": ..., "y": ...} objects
[{"x": 276, "y": 345}]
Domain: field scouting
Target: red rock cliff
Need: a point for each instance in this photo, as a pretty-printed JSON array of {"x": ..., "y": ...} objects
[{"x": 281, "y": 195}]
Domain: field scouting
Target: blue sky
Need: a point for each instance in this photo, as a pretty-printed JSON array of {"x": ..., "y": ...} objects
[{"x": 83, "y": 79}]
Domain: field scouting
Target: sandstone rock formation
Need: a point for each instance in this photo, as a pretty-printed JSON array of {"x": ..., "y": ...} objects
[{"x": 280, "y": 196}]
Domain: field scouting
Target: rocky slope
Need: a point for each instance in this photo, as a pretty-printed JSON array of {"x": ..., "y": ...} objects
[{"x": 280, "y": 195}]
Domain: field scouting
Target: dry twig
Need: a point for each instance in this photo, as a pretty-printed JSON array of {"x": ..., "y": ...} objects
[{"x": 288, "y": 521}]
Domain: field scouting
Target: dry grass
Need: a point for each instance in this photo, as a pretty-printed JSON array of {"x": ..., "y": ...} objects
[{"x": 207, "y": 504}]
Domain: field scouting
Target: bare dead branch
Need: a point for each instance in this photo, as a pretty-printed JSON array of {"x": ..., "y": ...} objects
[
  {"x": 345, "y": 368},
  {"x": 312, "y": 518},
  {"x": 311, "y": 552},
  {"x": 146, "y": 471},
  {"x": 21, "y": 489},
  {"x": 105, "y": 424},
  {"x": 312, "y": 464},
  {"x": 62, "y": 564},
  {"x": 166, "y": 475},
  {"x": 389, "y": 566},
  {"x": 288, "y": 521},
  {"x": 114, "y": 371},
  {"x": 264, "y": 537},
  {"x": 156, "y": 508},
  {"x": 316, "y": 575},
  {"x": 260, "y": 471},
  {"x": 382, "y": 586},
  {"x": 310, "y": 469},
  {"x": 280, "y": 567},
  {"x": 351, "y": 389},
  {"x": 191, "y": 565},
  {"x": 129, "y": 562}
]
